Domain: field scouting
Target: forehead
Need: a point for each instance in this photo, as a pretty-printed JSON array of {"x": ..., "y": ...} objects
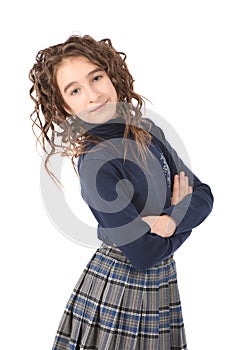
[{"x": 78, "y": 66}]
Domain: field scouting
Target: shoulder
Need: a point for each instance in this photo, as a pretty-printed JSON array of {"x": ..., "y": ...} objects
[{"x": 150, "y": 126}]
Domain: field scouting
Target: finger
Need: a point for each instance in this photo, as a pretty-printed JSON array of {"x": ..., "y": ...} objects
[
  {"x": 183, "y": 184},
  {"x": 190, "y": 190},
  {"x": 150, "y": 220},
  {"x": 186, "y": 185},
  {"x": 176, "y": 185},
  {"x": 176, "y": 190}
]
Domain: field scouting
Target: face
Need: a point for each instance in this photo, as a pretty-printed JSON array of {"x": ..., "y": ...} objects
[{"x": 87, "y": 90}]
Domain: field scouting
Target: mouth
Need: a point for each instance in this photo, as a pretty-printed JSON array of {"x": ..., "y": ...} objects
[{"x": 99, "y": 107}]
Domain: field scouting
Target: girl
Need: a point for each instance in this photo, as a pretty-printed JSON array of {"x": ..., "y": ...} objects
[{"x": 145, "y": 199}]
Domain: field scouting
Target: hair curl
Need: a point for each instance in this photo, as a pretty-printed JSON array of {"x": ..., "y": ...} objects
[{"x": 50, "y": 107}]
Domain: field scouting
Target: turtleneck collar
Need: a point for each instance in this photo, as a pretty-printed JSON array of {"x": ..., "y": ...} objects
[{"x": 113, "y": 128}]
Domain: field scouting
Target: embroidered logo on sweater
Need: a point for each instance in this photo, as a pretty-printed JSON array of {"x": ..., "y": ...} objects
[{"x": 166, "y": 169}]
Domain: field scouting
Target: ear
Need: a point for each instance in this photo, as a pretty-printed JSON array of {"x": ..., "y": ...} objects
[{"x": 68, "y": 110}]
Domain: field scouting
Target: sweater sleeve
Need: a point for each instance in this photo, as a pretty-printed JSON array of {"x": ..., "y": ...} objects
[
  {"x": 194, "y": 208},
  {"x": 109, "y": 197}
]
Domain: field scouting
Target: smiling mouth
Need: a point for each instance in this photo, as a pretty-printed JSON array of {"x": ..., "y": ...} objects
[{"x": 99, "y": 107}]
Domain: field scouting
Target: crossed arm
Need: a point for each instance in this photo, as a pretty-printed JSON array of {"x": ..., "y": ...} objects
[{"x": 165, "y": 225}]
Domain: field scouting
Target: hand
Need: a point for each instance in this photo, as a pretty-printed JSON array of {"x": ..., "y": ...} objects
[
  {"x": 163, "y": 226},
  {"x": 181, "y": 188}
]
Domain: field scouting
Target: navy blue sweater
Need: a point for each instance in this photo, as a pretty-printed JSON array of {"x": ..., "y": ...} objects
[{"x": 119, "y": 192}]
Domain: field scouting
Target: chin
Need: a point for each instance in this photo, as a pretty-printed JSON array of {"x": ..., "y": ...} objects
[{"x": 104, "y": 115}]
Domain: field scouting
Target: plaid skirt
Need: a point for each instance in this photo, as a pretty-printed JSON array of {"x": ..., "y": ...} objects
[{"x": 114, "y": 306}]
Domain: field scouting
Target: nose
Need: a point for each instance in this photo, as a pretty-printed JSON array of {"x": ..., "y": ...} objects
[{"x": 93, "y": 94}]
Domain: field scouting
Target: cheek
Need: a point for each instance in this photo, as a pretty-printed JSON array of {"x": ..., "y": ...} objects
[
  {"x": 74, "y": 105},
  {"x": 113, "y": 92}
]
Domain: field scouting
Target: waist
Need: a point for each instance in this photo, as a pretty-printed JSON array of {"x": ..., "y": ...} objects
[{"x": 116, "y": 253}]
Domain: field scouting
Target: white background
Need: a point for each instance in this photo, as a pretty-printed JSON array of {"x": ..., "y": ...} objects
[{"x": 180, "y": 54}]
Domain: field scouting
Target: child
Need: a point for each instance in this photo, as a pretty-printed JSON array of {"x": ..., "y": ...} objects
[{"x": 145, "y": 199}]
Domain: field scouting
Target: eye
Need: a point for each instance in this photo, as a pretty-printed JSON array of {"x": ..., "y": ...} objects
[
  {"x": 97, "y": 77},
  {"x": 75, "y": 91}
]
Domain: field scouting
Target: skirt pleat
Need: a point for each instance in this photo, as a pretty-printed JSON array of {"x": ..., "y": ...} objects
[{"x": 114, "y": 306}]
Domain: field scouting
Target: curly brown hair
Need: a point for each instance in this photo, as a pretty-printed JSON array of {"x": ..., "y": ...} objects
[{"x": 50, "y": 108}]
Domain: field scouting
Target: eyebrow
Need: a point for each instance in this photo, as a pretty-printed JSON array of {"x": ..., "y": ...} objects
[{"x": 87, "y": 76}]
